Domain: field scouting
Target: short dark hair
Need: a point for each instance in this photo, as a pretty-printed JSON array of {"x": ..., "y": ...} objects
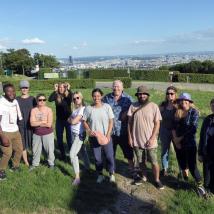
[
  {"x": 40, "y": 95},
  {"x": 173, "y": 88},
  {"x": 97, "y": 90},
  {"x": 8, "y": 85}
]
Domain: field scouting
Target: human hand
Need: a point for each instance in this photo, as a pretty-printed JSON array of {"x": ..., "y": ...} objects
[
  {"x": 150, "y": 142},
  {"x": 108, "y": 137},
  {"x": 56, "y": 87},
  {"x": 130, "y": 141},
  {"x": 67, "y": 86},
  {"x": 4, "y": 141}
]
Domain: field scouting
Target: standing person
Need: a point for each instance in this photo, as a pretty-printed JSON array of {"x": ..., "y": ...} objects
[
  {"x": 10, "y": 137},
  {"x": 26, "y": 103},
  {"x": 184, "y": 138},
  {"x": 63, "y": 99},
  {"x": 120, "y": 103},
  {"x": 78, "y": 135},
  {"x": 98, "y": 122},
  {"x": 41, "y": 120},
  {"x": 143, "y": 128},
  {"x": 206, "y": 149},
  {"x": 167, "y": 109}
]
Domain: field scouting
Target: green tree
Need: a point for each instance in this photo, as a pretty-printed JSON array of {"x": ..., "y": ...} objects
[
  {"x": 45, "y": 61},
  {"x": 18, "y": 60}
]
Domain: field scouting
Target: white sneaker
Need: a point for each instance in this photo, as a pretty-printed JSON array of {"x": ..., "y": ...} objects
[
  {"x": 76, "y": 182},
  {"x": 112, "y": 179},
  {"x": 100, "y": 179}
]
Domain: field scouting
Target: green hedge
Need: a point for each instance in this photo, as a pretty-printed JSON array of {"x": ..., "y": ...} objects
[
  {"x": 127, "y": 82},
  {"x": 196, "y": 78},
  {"x": 150, "y": 75},
  {"x": 49, "y": 84},
  {"x": 42, "y": 71},
  {"x": 107, "y": 73}
]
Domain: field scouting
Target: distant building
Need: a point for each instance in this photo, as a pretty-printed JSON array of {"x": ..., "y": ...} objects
[{"x": 70, "y": 61}]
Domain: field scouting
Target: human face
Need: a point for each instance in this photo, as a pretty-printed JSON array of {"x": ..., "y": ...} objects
[
  {"x": 25, "y": 90},
  {"x": 61, "y": 88},
  {"x": 10, "y": 93},
  {"x": 41, "y": 101},
  {"x": 97, "y": 98},
  {"x": 142, "y": 98},
  {"x": 117, "y": 88},
  {"x": 170, "y": 95},
  {"x": 185, "y": 105},
  {"x": 212, "y": 107},
  {"x": 77, "y": 99}
]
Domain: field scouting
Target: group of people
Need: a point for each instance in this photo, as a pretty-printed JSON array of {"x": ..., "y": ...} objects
[{"x": 111, "y": 120}]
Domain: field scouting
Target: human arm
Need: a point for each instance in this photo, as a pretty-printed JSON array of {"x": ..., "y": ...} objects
[
  {"x": 154, "y": 135},
  {"x": 130, "y": 140},
  {"x": 49, "y": 121},
  {"x": 88, "y": 130},
  {"x": 53, "y": 96},
  {"x": 4, "y": 140},
  {"x": 110, "y": 126}
]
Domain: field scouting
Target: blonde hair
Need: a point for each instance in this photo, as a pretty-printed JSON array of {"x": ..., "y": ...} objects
[
  {"x": 60, "y": 97},
  {"x": 180, "y": 113},
  {"x": 81, "y": 96}
]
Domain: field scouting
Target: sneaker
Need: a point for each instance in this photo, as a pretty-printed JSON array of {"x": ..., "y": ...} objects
[
  {"x": 201, "y": 191},
  {"x": 112, "y": 179},
  {"x": 2, "y": 175},
  {"x": 144, "y": 178},
  {"x": 159, "y": 185},
  {"x": 137, "y": 180},
  {"x": 32, "y": 168},
  {"x": 76, "y": 182},
  {"x": 15, "y": 169},
  {"x": 100, "y": 179}
]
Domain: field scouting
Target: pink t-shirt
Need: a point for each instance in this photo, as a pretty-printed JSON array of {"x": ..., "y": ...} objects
[
  {"x": 143, "y": 123},
  {"x": 44, "y": 115}
]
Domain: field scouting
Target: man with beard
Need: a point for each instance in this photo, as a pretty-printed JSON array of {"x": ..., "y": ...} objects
[
  {"x": 10, "y": 138},
  {"x": 143, "y": 127},
  {"x": 120, "y": 103}
]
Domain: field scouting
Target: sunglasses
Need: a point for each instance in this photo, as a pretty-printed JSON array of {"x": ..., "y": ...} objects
[
  {"x": 170, "y": 94},
  {"x": 40, "y": 100},
  {"x": 24, "y": 88},
  {"x": 76, "y": 98}
]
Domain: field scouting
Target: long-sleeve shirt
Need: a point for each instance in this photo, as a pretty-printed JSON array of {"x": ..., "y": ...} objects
[
  {"x": 206, "y": 143},
  {"x": 187, "y": 128},
  {"x": 63, "y": 108}
]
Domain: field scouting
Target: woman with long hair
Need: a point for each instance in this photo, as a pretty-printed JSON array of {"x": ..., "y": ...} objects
[
  {"x": 167, "y": 109},
  {"x": 63, "y": 99},
  {"x": 78, "y": 134},
  {"x": 184, "y": 138},
  {"x": 98, "y": 122}
]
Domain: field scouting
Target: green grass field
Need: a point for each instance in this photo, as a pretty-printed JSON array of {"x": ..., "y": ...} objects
[{"x": 50, "y": 191}]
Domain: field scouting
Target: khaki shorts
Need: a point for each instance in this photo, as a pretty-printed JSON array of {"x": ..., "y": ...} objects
[{"x": 143, "y": 155}]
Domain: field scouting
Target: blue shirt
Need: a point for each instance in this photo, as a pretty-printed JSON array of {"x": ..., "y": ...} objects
[{"x": 119, "y": 107}]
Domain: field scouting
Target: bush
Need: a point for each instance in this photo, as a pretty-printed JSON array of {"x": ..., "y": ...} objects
[
  {"x": 196, "y": 78},
  {"x": 107, "y": 73},
  {"x": 49, "y": 84},
  {"x": 1, "y": 71},
  {"x": 150, "y": 75},
  {"x": 127, "y": 82}
]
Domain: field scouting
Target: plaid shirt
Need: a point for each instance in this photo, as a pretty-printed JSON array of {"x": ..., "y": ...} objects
[{"x": 119, "y": 107}]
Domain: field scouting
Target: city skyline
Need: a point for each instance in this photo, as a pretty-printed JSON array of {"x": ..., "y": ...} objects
[{"x": 95, "y": 28}]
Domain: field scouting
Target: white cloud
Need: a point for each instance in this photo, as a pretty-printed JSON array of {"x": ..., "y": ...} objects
[
  {"x": 80, "y": 46},
  {"x": 33, "y": 41},
  {"x": 148, "y": 41},
  {"x": 2, "y": 47}
]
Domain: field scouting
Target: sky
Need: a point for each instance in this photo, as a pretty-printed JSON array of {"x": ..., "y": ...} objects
[{"x": 107, "y": 27}]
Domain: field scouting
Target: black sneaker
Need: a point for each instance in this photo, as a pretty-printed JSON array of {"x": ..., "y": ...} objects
[
  {"x": 137, "y": 180},
  {"x": 2, "y": 175},
  {"x": 201, "y": 191},
  {"x": 159, "y": 185}
]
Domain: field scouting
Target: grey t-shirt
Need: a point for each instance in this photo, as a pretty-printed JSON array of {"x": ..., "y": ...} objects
[{"x": 98, "y": 118}]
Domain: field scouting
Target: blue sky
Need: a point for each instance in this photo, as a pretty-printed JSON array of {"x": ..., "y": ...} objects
[{"x": 107, "y": 27}]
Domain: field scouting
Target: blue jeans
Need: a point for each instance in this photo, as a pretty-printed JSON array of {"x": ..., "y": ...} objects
[
  {"x": 166, "y": 139},
  {"x": 109, "y": 153},
  {"x": 60, "y": 126}
]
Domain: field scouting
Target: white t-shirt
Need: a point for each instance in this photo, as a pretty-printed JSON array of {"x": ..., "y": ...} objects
[
  {"x": 78, "y": 128},
  {"x": 10, "y": 112}
]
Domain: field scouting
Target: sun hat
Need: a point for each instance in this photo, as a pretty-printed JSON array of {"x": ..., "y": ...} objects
[
  {"x": 24, "y": 84},
  {"x": 101, "y": 138},
  {"x": 185, "y": 96},
  {"x": 142, "y": 90}
]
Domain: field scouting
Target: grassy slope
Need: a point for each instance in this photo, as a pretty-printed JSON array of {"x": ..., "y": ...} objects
[{"x": 45, "y": 191}]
